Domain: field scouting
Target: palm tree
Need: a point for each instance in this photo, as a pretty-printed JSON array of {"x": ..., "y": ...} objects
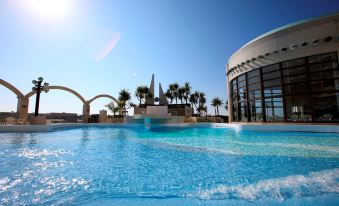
[
  {"x": 142, "y": 93},
  {"x": 216, "y": 102},
  {"x": 202, "y": 99},
  {"x": 193, "y": 100},
  {"x": 139, "y": 93},
  {"x": 124, "y": 97},
  {"x": 181, "y": 93},
  {"x": 174, "y": 90},
  {"x": 168, "y": 95},
  {"x": 187, "y": 91}
]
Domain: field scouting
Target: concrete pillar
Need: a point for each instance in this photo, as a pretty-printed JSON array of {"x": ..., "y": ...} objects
[
  {"x": 85, "y": 113},
  {"x": 103, "y": 116},
  {"x": 22, "y": 109}
]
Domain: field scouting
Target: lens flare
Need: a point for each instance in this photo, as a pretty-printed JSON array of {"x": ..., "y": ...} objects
[{"x": 48, "y": 9}]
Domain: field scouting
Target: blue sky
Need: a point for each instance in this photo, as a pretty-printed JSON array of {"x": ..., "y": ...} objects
[{"x": 102, "y": 46}]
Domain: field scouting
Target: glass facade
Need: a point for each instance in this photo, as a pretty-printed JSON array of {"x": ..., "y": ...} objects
[{"x": 299, "y": 90}]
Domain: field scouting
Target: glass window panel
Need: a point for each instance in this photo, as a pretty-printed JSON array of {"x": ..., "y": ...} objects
[
  {"x": 242, "y": 97},
  {"x": 326, "y": 107},
  {"x": 273, "y": 82},
  {"x": 293, "y": 63},
  {"x": 296, "y": 88},
  {"x": 272, "y": 91},
  {"x": 242, "y": 84},
  {"x": 234, "y": 88},
  {"x": 328, "y": 74},
  {"x": 234, "y": 97},
  {"x": 235, "y": 112},
  {"x": 272, "y": 75},
  {"x": 255, "y": 111},
  {"x": 322, "y": 58},
  {"x": 253, "y": 73},
  {"x": 254, "y": 86},
  {"x": 298, "y": 108},
  {"x": 328, "y": 85},
  {"x": 254, "y": 94},
  {"x": 295, "y": 79},
  {"x": 323, "y": 66},
  {"x": 243, "y": 112},
  {"x": 274, "y": 110},
  {"x": 253, "y": 80},
  {"x": 294, "y": 70},
  {"x": 234, "y": 81},
  {"x": 270, "y": 68},
  {"x": 241, "y": 77},
  {"x": 242, "y": 90}
]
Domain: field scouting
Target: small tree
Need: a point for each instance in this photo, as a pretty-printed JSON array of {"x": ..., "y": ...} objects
[
  {"x": 124, "y": 98},
  {"x": 187, "y": 91},
  {"x": 198, "y": 100},
  {"x": 216, "y": 102},
  {"x": 114, "y": 109},
  {"x": 173, "y": 88},
  {"x": 168, "y": 95},
  {"x": 142, "y": 93},
  {"x": 181, "y": 93}
]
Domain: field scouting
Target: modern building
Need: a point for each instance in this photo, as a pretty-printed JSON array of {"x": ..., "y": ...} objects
[{"x": 289, "y": 74}]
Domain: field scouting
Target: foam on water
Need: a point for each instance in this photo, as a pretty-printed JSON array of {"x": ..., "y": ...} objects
[{"x": 316, "y": 183}]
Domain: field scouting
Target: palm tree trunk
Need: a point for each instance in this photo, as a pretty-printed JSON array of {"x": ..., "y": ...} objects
[{"x": 218, "y": 110}]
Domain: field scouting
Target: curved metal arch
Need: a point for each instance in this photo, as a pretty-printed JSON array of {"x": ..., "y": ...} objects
[
  {"x": 11, "y": 87},
  {"x": 102, "y": 95},
  {"x": 59, "y": 88}
]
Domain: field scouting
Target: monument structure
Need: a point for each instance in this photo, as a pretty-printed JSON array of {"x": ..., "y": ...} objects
[{"x": 158, "y": 107}]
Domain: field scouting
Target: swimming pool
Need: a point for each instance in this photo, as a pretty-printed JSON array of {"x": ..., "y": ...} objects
[{"x": 168, "y": 165}]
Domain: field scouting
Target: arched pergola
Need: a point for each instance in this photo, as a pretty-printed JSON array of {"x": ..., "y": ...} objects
[
  {"x": 22, "y": 105},
  {"x": 59, "y": 88},
  {"x": 100, "y": 96},
  {"x": 85, "y": 108},
  {"x": 23, "y": 100},
  {"x": 11, "y": 87}
]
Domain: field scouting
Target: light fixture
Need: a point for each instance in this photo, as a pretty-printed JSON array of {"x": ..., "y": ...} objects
[
  {"x": 284, "y": 49},
  {"x": 328, "y": 39},
  {"x": 315, "y": 41},
  {"x": 304, "y": 44},
  {"x": 293, "y": 46}
]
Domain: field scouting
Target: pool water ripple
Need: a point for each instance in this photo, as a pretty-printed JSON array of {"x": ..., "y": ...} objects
[{"x": 89, "y": 164}]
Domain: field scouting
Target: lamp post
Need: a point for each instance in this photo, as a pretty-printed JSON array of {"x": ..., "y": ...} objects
[{"x": 38, "y": 88}]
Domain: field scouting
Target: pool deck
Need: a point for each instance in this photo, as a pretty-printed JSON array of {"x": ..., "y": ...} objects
[{"x": 327, "y": 128}]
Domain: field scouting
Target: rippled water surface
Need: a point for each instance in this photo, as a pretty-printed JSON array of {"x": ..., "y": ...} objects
[{"x": 169, "y": 166}]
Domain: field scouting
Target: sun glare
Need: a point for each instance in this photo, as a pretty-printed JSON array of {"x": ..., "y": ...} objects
[{"x": 48, "y": 9}]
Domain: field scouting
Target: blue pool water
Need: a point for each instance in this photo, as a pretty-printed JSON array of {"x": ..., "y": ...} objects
[{"x": 168, "y": 166}]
